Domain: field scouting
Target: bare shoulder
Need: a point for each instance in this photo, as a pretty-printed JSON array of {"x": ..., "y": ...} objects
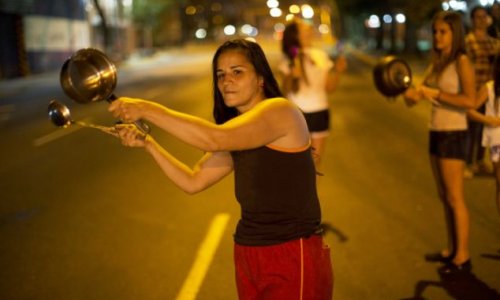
[
  {"x": 464, "y": 61},
  {"x": 278, "y": 101},
  {"x": 289, "y": 120},
  {"x": 464, "y": 64},
  {"x": 278, "y": 104}
]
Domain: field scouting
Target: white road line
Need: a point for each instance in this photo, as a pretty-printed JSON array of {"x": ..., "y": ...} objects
[
  {"x": 54, "y": 135},
  {"x": 204, "y": 258},
  {"x": 59, "y": 133}
]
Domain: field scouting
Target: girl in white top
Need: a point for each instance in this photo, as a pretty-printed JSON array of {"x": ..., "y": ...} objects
[
  {"x": 309, "y": 75},
  {"x": 490, "y": 93},
  {"x": 449, "y": 83}
]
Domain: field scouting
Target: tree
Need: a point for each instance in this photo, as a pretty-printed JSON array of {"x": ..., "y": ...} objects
[
  {"x": 147, "y": 17},
  {"x": 416, "y": 12},
  {"x": 103, "y": 25}
]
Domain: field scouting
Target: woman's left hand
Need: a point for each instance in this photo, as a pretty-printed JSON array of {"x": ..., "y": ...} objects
[
  {"x": 128, "y": 109},
  {"x": 429, "y": 93},
  {"x": 130, "y": 135}
]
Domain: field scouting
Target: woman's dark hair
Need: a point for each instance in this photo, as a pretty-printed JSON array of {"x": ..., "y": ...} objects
[
  {"x": 454, "y": 20},
  {"x": 257, "y": 58},
  {"x": 291, "y": 47},
  {"x": 290, "y": 43},
  {"x": 476, "y": 9}
]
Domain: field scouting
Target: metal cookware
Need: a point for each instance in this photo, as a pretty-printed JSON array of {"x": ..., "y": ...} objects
[
  {"x": 60, "y": 115},
  {"x": 392, "y": 76},
  {"x": 89, "y": 76}
]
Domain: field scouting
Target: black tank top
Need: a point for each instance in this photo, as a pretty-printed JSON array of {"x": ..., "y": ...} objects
[{"x": 277, "y": 194}]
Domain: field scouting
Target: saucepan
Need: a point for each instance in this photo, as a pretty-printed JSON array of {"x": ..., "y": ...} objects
[
  {"x": 392, "y": 76},
  {"x": 90, "y": 76}
]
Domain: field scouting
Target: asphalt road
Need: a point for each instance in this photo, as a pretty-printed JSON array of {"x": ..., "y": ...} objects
[{"x": 82, "y": 217}]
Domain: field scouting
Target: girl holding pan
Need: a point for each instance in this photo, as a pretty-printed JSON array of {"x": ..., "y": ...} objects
[{"x": 449, "y": 83}]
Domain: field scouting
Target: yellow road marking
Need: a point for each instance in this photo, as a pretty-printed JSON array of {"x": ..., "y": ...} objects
[{"x": 204, "y": 258}]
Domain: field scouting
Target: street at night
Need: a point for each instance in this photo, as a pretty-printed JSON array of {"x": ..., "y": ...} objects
[{"x": 82, "y": 217}]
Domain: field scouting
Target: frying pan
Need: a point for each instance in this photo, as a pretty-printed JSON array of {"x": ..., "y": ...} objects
[
  {"x": 90, "y": 76},
  {"x": 392, "y": 76}
]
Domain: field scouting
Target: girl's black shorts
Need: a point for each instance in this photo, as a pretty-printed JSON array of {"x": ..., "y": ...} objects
[
  {"x": 447, "y": 144},
  {"x": 318, "y": 121}
]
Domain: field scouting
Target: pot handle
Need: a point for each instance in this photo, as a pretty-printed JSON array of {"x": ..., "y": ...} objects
[{"x": 143, "y": 126}]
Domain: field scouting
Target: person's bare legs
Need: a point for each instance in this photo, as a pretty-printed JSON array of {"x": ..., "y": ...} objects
[
  {"x": 452, "y": 174},
  {"x": 448, "y": 213},
  {"x": 318, "y": 144},
  {"x": 496, "y": 166}
]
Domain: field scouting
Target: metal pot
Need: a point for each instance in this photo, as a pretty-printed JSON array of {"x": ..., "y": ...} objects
[
  {"x": 88, "y": 76},
  {"x": 392, "y": 76}
]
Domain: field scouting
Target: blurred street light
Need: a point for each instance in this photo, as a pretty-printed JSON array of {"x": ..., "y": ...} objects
[
  {"x": 307, "y": 11},
  {"x": 294, "y": 9},
  {"x": 373, "y": 22},
  {"x": 273, "y": 3},
  {"x": 387, "y": 18},
  {"x": 229, "y": 30},
  {"x": 201, "y": 33},
  {"x": 400, "y": 18},
  {"x": 275, "y": 12}
]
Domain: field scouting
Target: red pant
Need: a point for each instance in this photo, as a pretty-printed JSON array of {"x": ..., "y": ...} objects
[{"x": 299, "y": 269}]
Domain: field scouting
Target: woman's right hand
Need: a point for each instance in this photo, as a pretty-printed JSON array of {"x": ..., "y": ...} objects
[
  {"x": 412, "y": 96},
  {"x": 128, "y": 109}
]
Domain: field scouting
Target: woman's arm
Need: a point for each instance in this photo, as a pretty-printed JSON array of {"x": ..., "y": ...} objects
[
  {"x": 412, "y": 96},
  {"x": 479, "y": 117},
  {"x": 482, "y": 96},
  {"x": 466, "y": 98},
  {"x": 269, "y": 121},
  {"x": 210, "y": 169},
  {"x": 473, "y": 114},
  {"x": 333, "y": 78}
]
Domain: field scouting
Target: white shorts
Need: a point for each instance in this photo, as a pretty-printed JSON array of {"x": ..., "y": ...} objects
[{"x": 495, "y": 153}]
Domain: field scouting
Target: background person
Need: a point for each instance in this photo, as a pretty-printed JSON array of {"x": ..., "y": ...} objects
[
  {"x": 490, "y": 94},
  {"x": 449, "y": 82},
  {"x": 279, "y": 251},
  {"x": 494, "y": 28},
  {"x": 309, "y": 75},
  {"x": 482, "y": 50}
]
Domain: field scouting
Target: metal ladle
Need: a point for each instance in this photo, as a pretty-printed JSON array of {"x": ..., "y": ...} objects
[{"x": 60, "y": 115}]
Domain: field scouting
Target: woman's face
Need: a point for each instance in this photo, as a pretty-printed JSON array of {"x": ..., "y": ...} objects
[
  {"x": 238, "y": 82},
  {"x": 443, "y": 36}
]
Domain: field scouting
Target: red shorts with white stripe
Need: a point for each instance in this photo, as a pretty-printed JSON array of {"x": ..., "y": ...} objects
[{"x": 295, "y": 270}]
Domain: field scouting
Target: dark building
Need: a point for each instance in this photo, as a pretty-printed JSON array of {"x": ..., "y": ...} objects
[{"x": 38, "y": 35}]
